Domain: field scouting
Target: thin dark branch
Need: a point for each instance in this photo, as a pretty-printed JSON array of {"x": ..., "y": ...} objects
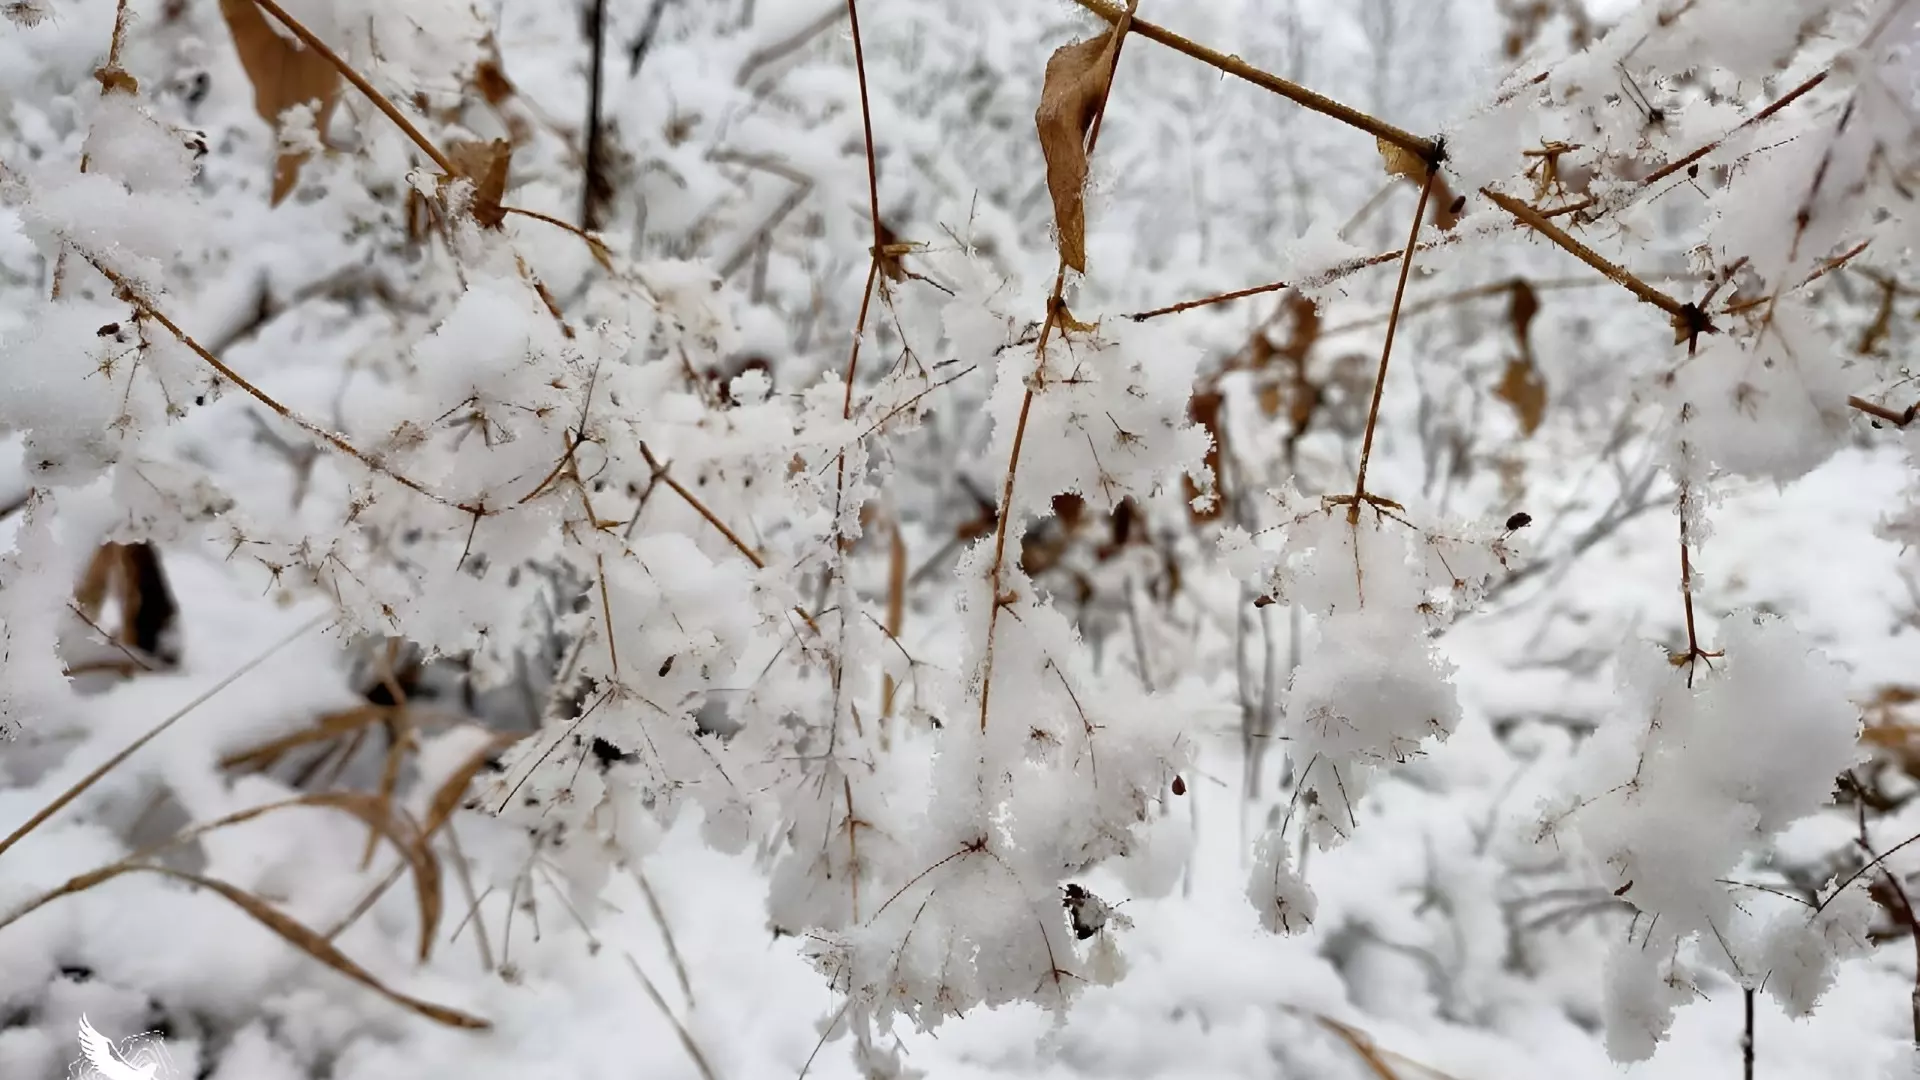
[
  {"x": 594, "y": 186},
  {"x": 637, "y": 48}
]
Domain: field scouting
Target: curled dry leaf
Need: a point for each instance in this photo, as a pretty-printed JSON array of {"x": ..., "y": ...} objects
[
  {"x": 1402, "y": 162},
  {"x": 485, "y": 164},
  {"x": 284, "y": 73},
  {"x": 132, "y": 575},
  {"x": 1076, "y": 84},
  {"x": 1520, "y": 385}
]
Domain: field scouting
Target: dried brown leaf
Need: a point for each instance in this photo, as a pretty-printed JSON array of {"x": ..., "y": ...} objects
[
  {"x": 1204, "y": 408},
  {"x": 1402, "y": 162},
  {"x": 490, "y": 75},
  {"x": 1076, "y": 84},
  {"x": 485, "y": 164},
  {"x": 284, "y": 73},
  {"x": 1521, "y": 387}
]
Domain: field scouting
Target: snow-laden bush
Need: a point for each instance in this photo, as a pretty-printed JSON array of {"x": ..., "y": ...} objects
[{"x": 323, "y": 293}]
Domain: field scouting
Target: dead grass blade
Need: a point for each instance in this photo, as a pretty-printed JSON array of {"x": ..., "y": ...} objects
[
  {"x": 1362, "y": 1047},
  {"x": 399, "y": 730},
  {"x": 302, "y": 937},
  {"x": 92, "y": 778},
  {"x": 1379, "y": 1062},
  {"x": 1075, "y": 87},
  {"x": 447, "y": 798},
  {"x": 679, "y": 1029},
  {"x": 284, "y": 74},
  {"x": 377, "y": 812},
  {"x": 330, "y": 726},
  {"x": 369, "y": 809}
]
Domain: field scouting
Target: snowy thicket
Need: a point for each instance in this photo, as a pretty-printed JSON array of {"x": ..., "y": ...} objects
[{"x": 833, "y": 466}]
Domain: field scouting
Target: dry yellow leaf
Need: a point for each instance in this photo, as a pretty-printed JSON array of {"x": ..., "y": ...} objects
[
  {"x": 1402, "y": 162},
  {"x": 1075, "y": 85},
  {"x": 484, "y": 163},
  {"x": 1522, "y": 388},
  {"x": 284, "y": 73}
]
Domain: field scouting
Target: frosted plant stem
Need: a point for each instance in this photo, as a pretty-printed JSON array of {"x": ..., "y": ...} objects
[
  {"x": 1386, "y": 351},
  {"x": 1056, "y": 305}
]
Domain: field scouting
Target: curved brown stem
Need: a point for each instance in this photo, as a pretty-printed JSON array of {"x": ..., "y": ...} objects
[{"x": 1386, "y": 350}]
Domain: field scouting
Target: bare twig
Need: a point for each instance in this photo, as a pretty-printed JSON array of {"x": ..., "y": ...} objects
[
  {"x": 1386, "y": 351},
  {"x": 1785, "y": 100},
  {"x": 1427, "y": 150},
  {"x": 133, "y": 295},
  {"x": 594, "y": 187},
  {"x": 767, "y": 54},
  {"x": 1055, "y": 307},
  {"x": 1688, "y": 319},
  {"x": 1898, "y": 419},
  {"x": 110, "y": 82},
  {"x": 1326, "y": 277}
]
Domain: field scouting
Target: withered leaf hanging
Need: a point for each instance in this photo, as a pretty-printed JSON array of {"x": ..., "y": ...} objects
[{"x": 1076, "y": 84}]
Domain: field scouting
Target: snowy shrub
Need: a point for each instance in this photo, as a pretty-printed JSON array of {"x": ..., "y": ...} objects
[{"x": 601, "y": 469}]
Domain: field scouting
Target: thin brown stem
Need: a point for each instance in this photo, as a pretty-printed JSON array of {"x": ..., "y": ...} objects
[
  {"x": 1694, "y": 653},
  {"x": 1325, "y": 277},
  {"x": 701, "y": 508},
  {"x": 1897, "y": 419},
  {"x": 1785, "y": 100},
  {"x": 1386, "y": 350},
  {"x": 1684, "y": 315},
  {"x": 1825, "y": 268},
  {"x": 1217, "y": 298},
  {"x": 130, "y": 293},
  {"x": 714, "y": 520},
  {"x": 1056, "y": 305},
  {"x": 110, "y": 83},
  {"x": 1427, "y": 150},
  {"x": 1899, "y": 890},
  {"x": 873, "y": 209}
]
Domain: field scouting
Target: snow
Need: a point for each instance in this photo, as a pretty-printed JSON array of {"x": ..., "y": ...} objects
[{"x": 934, "y": 682}]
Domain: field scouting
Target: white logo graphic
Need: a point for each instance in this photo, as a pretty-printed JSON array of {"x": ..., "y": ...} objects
[{"x": 142, "y": 1057}]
